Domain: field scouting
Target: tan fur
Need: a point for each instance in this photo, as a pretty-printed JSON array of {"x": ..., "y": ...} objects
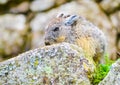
[
  {"x": 60, "y": 39},
  {"x": 88, "y": 44}
]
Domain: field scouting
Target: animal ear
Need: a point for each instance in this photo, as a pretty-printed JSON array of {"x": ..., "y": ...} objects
[
  {"x": 60, "y": 15},
  {"x": 66, "y": 16},
  {"x": 71, "y": 20}
]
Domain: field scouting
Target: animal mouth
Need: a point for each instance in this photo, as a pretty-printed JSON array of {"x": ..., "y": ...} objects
[
  {"x": 47, "y": 43},
  {"x": 54, "y": 41}
]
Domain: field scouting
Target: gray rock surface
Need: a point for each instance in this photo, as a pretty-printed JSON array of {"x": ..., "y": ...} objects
[
  {"x": 39, "y": 22},
  {"x": 113, "y": 77},
  {"x": 59, "y": 64},
  {"x": 41, "y": 5},
  {"x": 12, "y": 21},
  {"x": 115, "y": 18},
  {"x": 20, "y": 8},
  {"x": 37, "y": 25},
  {"x": 3, "y": 1},
  {"x": 110, "y": 5},
  {"x": 13, "y": 34}
]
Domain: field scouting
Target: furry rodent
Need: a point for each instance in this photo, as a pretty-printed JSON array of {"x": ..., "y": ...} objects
[{"x": 76, "y": 30}]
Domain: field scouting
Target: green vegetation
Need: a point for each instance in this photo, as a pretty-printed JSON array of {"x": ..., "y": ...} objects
[{"x": 102, "y": 70}]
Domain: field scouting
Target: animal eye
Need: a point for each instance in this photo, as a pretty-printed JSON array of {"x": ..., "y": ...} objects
[{"x": 56, "y": 29}]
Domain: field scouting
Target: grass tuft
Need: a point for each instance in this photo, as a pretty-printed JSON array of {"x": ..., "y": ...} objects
[{"x": 102, "y": 70}]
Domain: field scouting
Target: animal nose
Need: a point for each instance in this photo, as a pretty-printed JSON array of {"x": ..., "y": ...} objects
[{"x": 47, "y": 43}]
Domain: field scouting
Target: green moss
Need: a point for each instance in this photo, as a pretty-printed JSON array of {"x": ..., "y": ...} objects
[{"x": 102, "y": 70}]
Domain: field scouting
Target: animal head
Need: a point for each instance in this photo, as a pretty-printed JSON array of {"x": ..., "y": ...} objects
[{"x": 58, "y": 30}]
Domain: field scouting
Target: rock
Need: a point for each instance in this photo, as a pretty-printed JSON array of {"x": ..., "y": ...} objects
[
  {"x": 59, "y": 64},
  {"x": 41, "y": 5},
  {"x": 38, "y": 39},
  {"x": 10, "y": 42},
  {"x": 13, "y": 34},
  {"x": 110, "y": 5},
  {"x": 88, "y": 11},
  {"x": 115, "y": 18},
  {"x": 37, "y": 25},
  {"x": 113, "y": 77},
  {"x": 11, "y": 21},
  {"x": 20, "y": 8},
  {"x": 3, "y": 1},
  {"x": 39, "y": 22}
]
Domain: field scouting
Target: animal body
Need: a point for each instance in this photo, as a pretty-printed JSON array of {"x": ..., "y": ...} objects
[{"x": 76, "y": 30}]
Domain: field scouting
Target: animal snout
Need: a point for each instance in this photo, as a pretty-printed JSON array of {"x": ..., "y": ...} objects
[{"x": 47, "y": 43}]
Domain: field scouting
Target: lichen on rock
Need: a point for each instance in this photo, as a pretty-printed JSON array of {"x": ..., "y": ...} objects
[{"x": 59, "y": 64}]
